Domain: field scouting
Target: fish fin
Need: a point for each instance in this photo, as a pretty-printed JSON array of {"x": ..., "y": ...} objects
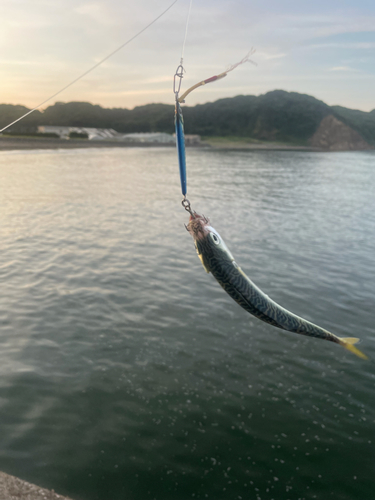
[
  {"x": 348, "y": 343},
  {"x": 350, "y": 340},
  {"x": 203, "y": 264},
  {"x": 201, "y": 259}
]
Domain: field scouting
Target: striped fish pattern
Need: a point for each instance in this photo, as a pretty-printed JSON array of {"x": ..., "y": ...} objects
[{"x": 217, "y": 260}]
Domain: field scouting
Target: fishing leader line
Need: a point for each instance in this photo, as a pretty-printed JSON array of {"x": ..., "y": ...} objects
[
  {"x": 179, "y": 121},
  {"x": 95, "y": 66},
  {"x": 186, "y": 32}
]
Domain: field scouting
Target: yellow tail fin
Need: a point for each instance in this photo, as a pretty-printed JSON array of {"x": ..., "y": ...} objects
[{"x": 348, "y": 342}]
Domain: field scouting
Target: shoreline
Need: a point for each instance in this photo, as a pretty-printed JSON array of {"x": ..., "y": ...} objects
[
  {"x": 23, "y": 143},
  {"x": 32, "y": 143}
]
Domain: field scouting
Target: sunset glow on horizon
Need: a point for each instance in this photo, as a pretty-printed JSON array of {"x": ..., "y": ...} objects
[{"x": 325, "y": 49}]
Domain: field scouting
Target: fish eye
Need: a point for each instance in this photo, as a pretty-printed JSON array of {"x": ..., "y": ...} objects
[{"x": 215, "y": 238}]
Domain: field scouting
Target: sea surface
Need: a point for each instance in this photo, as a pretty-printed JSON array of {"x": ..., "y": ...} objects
[{"x": 127, "y": 373}]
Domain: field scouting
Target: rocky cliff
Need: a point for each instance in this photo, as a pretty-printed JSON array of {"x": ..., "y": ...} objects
[{"x": 333, "y": 135}]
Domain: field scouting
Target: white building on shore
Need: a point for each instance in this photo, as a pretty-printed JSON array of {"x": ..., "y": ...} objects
[
  {"x": 108, "y": 134},
  {"x": 159, "y": 137},
  {"x": 93, "y": 134}
]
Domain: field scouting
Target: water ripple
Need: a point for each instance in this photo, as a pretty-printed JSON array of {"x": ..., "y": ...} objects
[{"x": 127, "y": 371}]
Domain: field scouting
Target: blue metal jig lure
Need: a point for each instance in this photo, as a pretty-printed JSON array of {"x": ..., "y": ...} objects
[{"x": 180, "y": 142}]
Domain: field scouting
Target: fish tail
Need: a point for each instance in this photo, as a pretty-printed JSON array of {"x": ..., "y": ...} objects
[{"x": 348, "y": 343}]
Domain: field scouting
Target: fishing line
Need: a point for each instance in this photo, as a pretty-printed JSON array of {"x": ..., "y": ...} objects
[
  {"x": 186, "y": 32},
  {"x": 95, "y": 66}
]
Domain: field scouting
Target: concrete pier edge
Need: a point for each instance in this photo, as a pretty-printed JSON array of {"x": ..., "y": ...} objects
[{"x": 13, "y": 488}]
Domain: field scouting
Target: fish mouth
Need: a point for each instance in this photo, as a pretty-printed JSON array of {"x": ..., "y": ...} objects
[{"x": 198, "y": 226}]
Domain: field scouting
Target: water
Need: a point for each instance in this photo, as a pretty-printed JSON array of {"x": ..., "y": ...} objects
[{"x": 127, "y": 372}]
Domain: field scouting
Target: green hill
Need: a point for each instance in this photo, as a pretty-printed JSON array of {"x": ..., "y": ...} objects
[
  {"x": 10, "y": 112},
  {"x": 275, "y": 116}
]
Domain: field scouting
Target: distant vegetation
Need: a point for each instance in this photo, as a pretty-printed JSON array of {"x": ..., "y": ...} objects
[
  {"x": 78, "y": 135},
  {"x": 29, "y": 133},
  {"x": 275, "y": 116},
  {"x": 10, "y": 112}
]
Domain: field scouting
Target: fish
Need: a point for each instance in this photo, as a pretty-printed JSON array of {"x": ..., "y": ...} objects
[{"x": 218, "y": 260}]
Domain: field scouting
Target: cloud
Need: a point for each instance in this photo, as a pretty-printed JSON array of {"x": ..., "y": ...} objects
[
  {"x": 341, "y": 68},
  {"x": 341, "y": 45},
  {"x": 267, "y": 56},
  {"x": 97, "y": 12}
]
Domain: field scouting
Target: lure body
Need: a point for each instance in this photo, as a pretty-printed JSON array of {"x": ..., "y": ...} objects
[
  {"x": 180, "y": 142},
  {"x": 218, "y": 260}
]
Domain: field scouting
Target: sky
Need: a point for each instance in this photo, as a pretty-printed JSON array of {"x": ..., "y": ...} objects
[{"x": 322, "y": 48}]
